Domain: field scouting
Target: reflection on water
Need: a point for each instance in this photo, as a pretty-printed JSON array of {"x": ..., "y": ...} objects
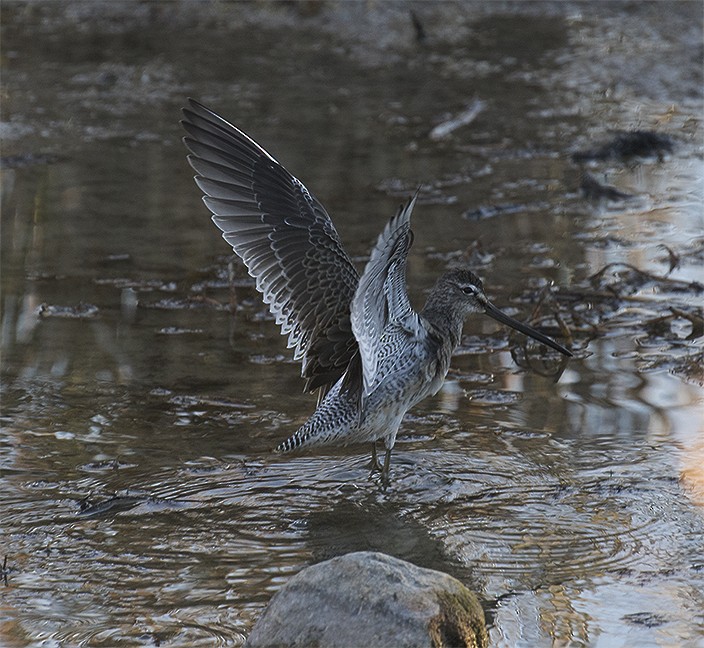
[{"x": 144, "y": 385}]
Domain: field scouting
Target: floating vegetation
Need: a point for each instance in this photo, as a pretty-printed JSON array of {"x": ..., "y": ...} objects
[
  {"x": 493, "y": 397},
  {"x": 490, "y": 211},
  {"x": 592, "y": 189},
  {"x": 690, "y": 368},
  {"x": 145, "y": 285},
  {"x": 81, "y": 311},
  {"x": 614, "y": 300},
  {"x": 624, "y": 278},
  {"x": 184, "y": 303},
  {"x": 626, "y": 145},
  {"x": 179, "y": 330}
]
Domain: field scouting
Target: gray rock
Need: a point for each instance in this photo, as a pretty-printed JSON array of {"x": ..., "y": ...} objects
[{"x": 371, "y": 599}]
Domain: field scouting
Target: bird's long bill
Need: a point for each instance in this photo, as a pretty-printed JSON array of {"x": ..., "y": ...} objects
[{"x": 500, "y": 316}]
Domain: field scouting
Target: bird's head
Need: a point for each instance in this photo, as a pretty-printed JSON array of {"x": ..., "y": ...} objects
[{"x": 463, "y": 292}]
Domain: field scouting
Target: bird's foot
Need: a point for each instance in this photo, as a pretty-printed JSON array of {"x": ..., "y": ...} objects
[
  {"x": 384, "y": 470},
  {"x": 374, "y": 465}
]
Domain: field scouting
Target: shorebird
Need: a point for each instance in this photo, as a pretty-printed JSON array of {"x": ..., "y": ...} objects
[{"x": 363, "y": 347}]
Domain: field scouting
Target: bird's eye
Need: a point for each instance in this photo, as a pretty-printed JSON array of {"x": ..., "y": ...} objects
[{"x": 469, "y": 289}]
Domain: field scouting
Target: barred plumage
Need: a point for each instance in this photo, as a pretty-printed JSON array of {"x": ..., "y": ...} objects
[{"x": 358, "y": 337}]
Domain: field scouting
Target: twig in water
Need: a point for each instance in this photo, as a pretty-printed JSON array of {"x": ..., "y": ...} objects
[{"x": 441, "y": 131}]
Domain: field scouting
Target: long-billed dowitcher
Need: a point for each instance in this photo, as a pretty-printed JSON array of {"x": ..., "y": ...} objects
[{"x": 361, "y": 343}]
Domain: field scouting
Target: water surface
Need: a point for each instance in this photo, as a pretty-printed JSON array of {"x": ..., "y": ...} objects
[{"x": 144, "y": 384}]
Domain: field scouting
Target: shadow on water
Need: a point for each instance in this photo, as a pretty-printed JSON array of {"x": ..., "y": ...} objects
[{"x": 144, "y": 384}]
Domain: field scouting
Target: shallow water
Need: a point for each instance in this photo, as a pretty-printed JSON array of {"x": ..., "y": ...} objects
[{"x": 143, "y": 388}]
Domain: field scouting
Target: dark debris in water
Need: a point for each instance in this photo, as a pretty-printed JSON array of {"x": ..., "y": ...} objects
[
  {"x": 100, "y": 507},
  {"x": 493, "y": 397},
  {"x": 184, "y": 400},
  {"x": 625, "y": 279},
  {"x": 474, "y": 256},
  {"x": 672, "y": 257},
  {"x": 689, "y": 368},
  {"x": 693, "y": 316},
  {"x": 647, "y": 619},
  {"x": 543, "y": 362},
  {"x": 627, "y": 145},
  {"x": 81, "y": 311},
  {"x": 144, "y": 285},
  {"x": 178, "y": 330},
  {"x": 431, "y": 194},
  {"x": 505, "y": 209},
  {"x": 106, "y": 465},
  {"x": 616, "y": 300},
  {"x": 185, "y": 303},
  {"x": 92, "y": 508},
  {"x": 489, "y": 211},
  {"x": 24, "y": 160},
  {"x": 592, "y": 189}
]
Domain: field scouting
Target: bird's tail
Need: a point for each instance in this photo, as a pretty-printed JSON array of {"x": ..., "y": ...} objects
[{"x": 333, "y": 422}]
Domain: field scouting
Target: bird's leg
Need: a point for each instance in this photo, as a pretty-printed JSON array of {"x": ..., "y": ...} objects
[
  {"x": 374, "y": 465},
  {"x": 386, "y": 470}
]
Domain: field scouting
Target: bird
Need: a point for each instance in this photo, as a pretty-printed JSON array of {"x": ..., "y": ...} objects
[{"x": 370, "y": 356}]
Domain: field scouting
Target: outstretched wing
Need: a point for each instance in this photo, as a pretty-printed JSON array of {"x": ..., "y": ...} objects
[
  {"x": 381, "y": 299},
  {"x": 284, "y": 236}
]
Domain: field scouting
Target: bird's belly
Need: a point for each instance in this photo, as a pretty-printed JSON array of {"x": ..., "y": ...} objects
[
  {"x": 436, "y": 383},
  {"x": 403, "y": 387}
]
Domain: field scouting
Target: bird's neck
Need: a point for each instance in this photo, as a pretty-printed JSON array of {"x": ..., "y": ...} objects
[{"x": 445, "y": 320}]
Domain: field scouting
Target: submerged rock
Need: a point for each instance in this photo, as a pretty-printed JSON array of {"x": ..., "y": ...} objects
[{"x": 371, "y": 599}]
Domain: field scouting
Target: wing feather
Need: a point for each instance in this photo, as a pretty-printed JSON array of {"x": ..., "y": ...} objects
[
  {"x": 285, "y": 238},
  {"x": 381, "y": 299}
]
